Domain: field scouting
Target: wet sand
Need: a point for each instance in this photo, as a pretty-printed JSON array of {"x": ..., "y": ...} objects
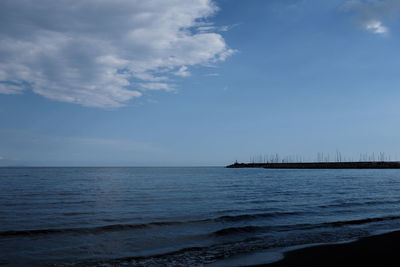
[{"x": 379, "y": 250}]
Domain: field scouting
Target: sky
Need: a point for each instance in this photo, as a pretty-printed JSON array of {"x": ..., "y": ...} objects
[{"x": 196, "y": 82}]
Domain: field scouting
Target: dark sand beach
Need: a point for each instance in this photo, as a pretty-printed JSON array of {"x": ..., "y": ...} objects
[{"x": 379, "y": 250}]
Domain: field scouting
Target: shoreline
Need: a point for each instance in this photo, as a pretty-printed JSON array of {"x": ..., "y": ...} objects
[{"x": 375, "y": 250}]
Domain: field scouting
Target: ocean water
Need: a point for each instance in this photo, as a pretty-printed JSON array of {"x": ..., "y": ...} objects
[{"x": 185, "y": 216}]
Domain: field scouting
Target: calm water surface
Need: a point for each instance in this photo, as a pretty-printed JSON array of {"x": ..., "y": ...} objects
[{"x": 184, "y": 216}]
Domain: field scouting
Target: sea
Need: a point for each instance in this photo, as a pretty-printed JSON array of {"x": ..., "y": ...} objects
[{"x": 201, "y": 216}]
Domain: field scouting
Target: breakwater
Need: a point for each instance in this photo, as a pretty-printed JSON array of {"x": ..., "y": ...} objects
[{"x": 321, "y": 165}]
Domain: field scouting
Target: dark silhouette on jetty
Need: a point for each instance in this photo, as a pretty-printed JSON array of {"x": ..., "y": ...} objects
[{"x": 321, "y": 165}]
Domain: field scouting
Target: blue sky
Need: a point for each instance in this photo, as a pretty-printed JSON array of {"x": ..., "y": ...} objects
[{"x": 187, "y": 83}]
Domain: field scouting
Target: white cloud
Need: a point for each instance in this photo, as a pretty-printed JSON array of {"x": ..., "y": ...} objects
[
  {"x": 95, "y": 53},
  {"x": 156, "y": 86},
  {"x": 211, "y": 28},
  {"x": 9, "y": 89},
  {"x": 212, "y": 75},
  {"x": 375, "y": 26},
  {"x": 183, "y": 72},
  {"x": 371, "y": 14}
]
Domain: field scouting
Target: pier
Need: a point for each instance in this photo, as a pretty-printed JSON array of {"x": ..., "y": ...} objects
[{"x": 321, "y": 165}]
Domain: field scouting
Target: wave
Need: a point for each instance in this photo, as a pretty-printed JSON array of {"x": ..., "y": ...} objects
[
  {"x": 258, "y": 229},
  {"x": 77, "y": 213},
  {"x": 356, "y": 204},
  {"x": 125, "y": 227},
  {"x": 337, "y": 223},
  {"x": 221, "y": 232},
  {"x": 115, "y": 227},
  {"x": 361, "y": 221},
  {"x": 27, "y": 203},
  {"x": 238, "y": 230},
  {"x": 243, "y": 217}
]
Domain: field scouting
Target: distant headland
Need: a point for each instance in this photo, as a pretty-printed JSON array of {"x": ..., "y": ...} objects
[{"x": 321, "y": 165}]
